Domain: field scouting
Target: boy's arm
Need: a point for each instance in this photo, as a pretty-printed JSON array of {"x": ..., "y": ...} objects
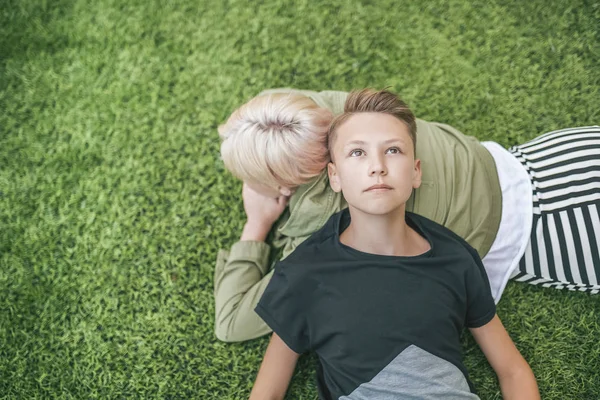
[
  {"x": 516, "y": 378},
  {"x": 275, "y": 371}
]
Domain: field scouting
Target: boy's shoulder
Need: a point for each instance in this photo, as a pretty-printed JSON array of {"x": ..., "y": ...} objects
[
  {"x": 322, "y": 246},
  {"x": 438, "y": 233},
  {"x": 318, "y": 246}
]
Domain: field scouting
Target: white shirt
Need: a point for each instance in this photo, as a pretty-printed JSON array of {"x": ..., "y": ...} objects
[{"x": 515, "y": 222}]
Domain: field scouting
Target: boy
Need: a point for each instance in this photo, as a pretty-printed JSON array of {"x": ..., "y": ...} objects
[{"x": 381, "y": 295}]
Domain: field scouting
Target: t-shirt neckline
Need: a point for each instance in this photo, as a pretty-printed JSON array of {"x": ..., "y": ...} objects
[{"x": 343, "y": 221}]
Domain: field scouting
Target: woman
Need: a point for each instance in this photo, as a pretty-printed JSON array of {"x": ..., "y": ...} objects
[{"x": 531, "y": 212}]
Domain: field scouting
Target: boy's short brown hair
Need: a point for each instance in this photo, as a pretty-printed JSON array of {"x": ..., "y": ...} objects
[{"x": 377, "y": 101}]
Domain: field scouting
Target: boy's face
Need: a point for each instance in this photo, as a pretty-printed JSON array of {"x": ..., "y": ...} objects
[{"x": 374, "y": 163}]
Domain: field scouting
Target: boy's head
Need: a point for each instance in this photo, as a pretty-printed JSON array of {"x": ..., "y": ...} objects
[
  {"x": 276, "y": 142},
  {"x": 372, "y": 146}
]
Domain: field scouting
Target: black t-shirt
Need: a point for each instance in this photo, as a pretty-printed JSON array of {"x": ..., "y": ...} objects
[{"x": 380, "y": 325}]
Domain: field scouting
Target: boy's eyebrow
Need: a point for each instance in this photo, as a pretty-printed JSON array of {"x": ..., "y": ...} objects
[
  {"x": 356, "y": 143},
  {"x": 362, "y": 143},
  {"x": 394, "y": 141}
]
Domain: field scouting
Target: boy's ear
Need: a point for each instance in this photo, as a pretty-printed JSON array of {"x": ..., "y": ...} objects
[
  {"x": 334, "y": 180},
  {"x": 417, "y": 174}
]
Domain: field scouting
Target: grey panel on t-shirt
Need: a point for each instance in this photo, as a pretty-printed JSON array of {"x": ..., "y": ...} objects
[{"x": 415, "y": 374}]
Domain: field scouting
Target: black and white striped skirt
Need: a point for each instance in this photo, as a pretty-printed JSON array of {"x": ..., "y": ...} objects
[{"x": 563, "y": 249}]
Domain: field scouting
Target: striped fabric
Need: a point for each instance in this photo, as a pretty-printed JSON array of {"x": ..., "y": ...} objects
[{"x": 563, "y": 250}]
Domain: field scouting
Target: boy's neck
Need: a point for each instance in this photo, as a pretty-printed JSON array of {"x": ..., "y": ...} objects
[{"x": 387, "y": 234}]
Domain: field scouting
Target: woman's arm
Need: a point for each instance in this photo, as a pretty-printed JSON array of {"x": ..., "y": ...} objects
[
  {"x": 241, "y": 275},
  {"x": 240, "y": 280},
  {"x": 275, "y": 371},
  {"x": 516, "y": 378}
]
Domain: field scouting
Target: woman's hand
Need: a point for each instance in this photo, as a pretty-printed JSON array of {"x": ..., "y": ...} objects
[{"x": 262, "y": 212}]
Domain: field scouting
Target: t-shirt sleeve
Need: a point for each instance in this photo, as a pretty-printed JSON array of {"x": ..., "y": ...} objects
[
  {"x": 282, "y": 307},
  {"x": 481, "y": 307}
]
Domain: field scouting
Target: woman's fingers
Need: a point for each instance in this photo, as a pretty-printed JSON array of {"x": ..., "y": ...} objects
[{"x": 283, "y": 200}]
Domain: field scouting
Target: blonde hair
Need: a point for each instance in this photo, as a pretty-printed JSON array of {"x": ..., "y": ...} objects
[
  {"x": 278, "y": 140},
  {"x": 378, "y": 101}
]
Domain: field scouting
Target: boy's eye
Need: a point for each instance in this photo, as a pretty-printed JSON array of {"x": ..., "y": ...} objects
[
  {"x": 356, "y": 153},
  {"x": 393, "y": 150}
]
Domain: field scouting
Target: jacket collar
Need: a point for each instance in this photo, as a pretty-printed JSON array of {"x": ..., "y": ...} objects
[{"x": 311, "y": 206}]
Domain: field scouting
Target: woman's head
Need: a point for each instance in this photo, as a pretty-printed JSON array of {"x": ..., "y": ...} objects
[{"x": 276, "y": 140}]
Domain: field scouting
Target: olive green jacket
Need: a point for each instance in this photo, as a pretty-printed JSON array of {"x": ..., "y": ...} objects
[{"x": 459, "y": 190}]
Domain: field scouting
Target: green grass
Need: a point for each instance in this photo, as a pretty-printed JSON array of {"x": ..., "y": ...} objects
[{"x": 114, "y": 202}]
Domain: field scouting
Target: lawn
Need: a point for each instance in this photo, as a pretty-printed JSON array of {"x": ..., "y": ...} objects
[{"x": 114, "y": 202}]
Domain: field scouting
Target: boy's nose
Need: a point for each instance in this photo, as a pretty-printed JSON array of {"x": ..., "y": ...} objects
[
  {"x": 378, "y": 170},
  {"x": 377, "y": 165}
]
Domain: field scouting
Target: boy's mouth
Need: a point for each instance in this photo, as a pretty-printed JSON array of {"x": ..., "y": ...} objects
[{"x": 379, "y": 186}]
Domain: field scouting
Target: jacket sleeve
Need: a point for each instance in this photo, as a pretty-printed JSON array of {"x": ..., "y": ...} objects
[{"x": 241, "y": 276}]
